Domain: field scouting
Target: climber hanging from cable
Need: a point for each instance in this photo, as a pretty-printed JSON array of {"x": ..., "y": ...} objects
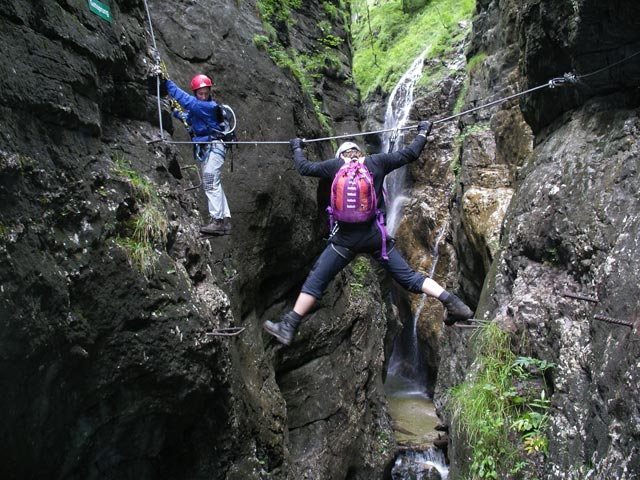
[
  {"x": 209, "y": 125},
  {"x": 357, "y": 226}
]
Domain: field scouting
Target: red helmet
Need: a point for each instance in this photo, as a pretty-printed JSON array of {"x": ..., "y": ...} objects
[{"x": 200, "y": 81}]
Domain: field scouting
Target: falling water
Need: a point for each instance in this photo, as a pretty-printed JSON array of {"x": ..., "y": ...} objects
[
  {"x": 417, "y": 464},
  {"x": 395, "y": 117},
  {"x": 406, "y": 379},
  {"x": 405, "y": 360},
  {"x": 432, "y": 271}
]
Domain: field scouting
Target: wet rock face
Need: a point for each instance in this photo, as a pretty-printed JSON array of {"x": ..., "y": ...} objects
[
  {"x": 111, "y": 373},
  {"x": 559, "y": 243},
  {"x": 571, "y": 225},
  {"x": 331, "y": 380}
]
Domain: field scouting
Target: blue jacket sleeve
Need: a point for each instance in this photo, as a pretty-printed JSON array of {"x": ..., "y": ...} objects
[
  {"x": 182, "y": 116},
  {"x": 186, "y": 100},
  {"x": 324, "y": 169}
]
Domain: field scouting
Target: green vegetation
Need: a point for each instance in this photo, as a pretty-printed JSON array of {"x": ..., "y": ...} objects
[
  {"x": 551, "y": 257},
  {"x": 148, "y": 227},
  {"x": 389, "y": 36},
  {"x": 142, "y": 188},
  {"x": 360, "y": 269},
  {"x": 475, "y": 62},
  {"x": 4, "y": 233},
  {"x": 457, "y": 108},
  {"x": 264, "y": 473},
  {"x": 384, "y": 445},
  {"x": 308, "y": 68},
  {"x": 493, "y": 407}
]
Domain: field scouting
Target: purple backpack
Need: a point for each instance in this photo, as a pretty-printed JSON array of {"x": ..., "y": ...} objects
[{"x": 353, "y": 199}]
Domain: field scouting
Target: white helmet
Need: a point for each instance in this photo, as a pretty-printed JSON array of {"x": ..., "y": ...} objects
[{"x": 346, "y": 146}]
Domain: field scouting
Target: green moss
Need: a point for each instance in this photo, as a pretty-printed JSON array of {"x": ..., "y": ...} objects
[
  {"x": 457, "y": 108},
  {"x": 387, "y": 40},
  {"x": 383, "y": 447},
  {"x": 4, "y": 233},
  {"x": 474, "y": 62},
  {"x": 331, "y": 10}
]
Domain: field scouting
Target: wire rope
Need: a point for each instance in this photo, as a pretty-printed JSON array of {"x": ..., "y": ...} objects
[{"x": 568, "y": 78}]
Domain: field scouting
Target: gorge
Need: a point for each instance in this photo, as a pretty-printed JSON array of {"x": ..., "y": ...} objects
[{"x": 111, "y": 365}]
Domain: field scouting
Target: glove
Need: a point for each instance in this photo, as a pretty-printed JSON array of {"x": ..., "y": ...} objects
[
  {"x": 156, "y": 71},
  {"x": 296, "y": 143},
  {"x": 424, "y": 126}
]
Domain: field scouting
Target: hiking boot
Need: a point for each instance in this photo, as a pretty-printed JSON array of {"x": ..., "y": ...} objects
[
  {"x": 456, "y": 310},
  {"x": 227, "y": 225},
  {"x": 214, "y": 228},
  {"x": 284, "y": 330}
]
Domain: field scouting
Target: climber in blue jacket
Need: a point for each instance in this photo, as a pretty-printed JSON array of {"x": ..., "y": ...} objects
[{"x": 205, "y": 120}]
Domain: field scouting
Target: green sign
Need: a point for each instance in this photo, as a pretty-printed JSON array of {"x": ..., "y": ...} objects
[{"x": 100, "y": 9}]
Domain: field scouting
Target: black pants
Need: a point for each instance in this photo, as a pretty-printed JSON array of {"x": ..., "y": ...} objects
[{"x": 345, "y": 245}]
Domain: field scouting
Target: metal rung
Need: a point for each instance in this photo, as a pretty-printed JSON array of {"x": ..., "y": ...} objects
[
  {"x": 580, "y": 296},
  {"x": 604, "y": 318},
  {"x": 226, "y": 332},
  {"x": 197, "y": 170},
  {"x": 477, "y": 320}
]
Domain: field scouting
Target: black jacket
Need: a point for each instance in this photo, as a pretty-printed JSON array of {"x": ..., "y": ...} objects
[{"x": 379, "y": 164}]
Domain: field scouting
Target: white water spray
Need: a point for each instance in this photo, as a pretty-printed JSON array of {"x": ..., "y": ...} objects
[{"x": 417, "y": 464}]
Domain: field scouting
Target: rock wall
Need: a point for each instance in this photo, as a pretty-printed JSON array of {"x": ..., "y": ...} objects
[
  {"x": 109, "y": 372},
  {"x": 565, "y": 162}
]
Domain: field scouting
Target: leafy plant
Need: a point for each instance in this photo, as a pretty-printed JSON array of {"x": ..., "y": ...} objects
[{"x": 488, "y": 408}]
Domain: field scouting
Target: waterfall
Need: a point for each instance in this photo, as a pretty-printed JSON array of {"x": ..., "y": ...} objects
[
  {"x": 405, "y": 360},
  {"x": 407, "y": 382},
  {"x": 396, "y": 115},
  {"x": 417, "y": 464},
  {"x": 432, "y": 271}
]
